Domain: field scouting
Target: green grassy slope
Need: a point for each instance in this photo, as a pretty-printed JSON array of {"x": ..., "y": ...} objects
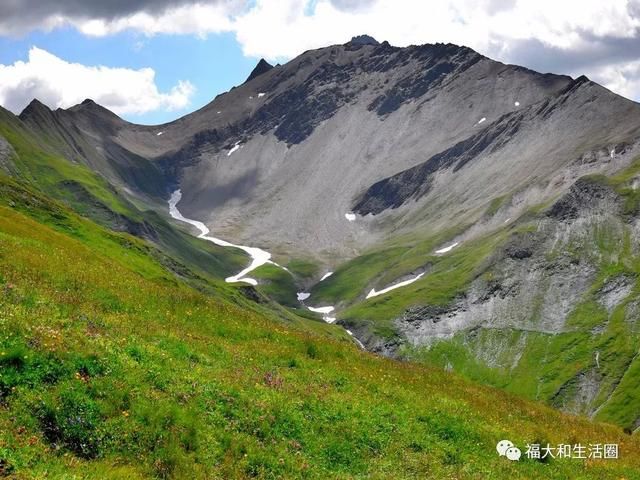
[
  {"x": 113, "y": 367},
  {"x": 43, "y": 166}
]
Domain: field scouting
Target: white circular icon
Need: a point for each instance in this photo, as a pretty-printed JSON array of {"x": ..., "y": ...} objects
[
  {"x": 503, "y": 446},
  {"x": 513, "y": 454}
]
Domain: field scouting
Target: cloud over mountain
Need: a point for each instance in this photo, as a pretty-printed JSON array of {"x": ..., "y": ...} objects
[{"x": 59, "y": 83}]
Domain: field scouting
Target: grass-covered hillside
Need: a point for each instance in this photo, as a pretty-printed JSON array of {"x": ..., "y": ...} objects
[
  {"x": 545, "y": 306},
  {"x": 114, "y": 366}
]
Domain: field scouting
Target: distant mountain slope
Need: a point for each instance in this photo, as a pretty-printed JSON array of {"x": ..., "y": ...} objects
[
  {"x": 257, "y": 162},
  {"x": 345, "y": 116}
]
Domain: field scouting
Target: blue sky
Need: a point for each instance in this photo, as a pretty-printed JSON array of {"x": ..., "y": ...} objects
[
  {"x": 152, "y": 61},
  {"x": 213, "y": 64}
]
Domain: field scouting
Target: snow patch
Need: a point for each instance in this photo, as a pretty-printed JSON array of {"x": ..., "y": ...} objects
[
  {"x": 258, "y": 256},
  {"x": 374, "y": 293},
  {"x": 350, "y": 216},
  {"x": 325, "y": 311},
  {"x": 448, "y": 249},
  {"x": 159, "y": 133},
  {"x": 482, "y": 120},
  {"x": 517, "y": 104},
  {"x": 326, "y": 275},
  {"x": 235, "y": 147},
  {"x": 261, "y": 94}
]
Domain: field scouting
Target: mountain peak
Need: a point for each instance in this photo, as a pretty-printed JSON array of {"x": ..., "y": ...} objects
[
  {"x": 361, "y": 40},
  {"x": 262, "y": 67},
  {"x": 35, "y": 107},
  {"x": 88, "y": 105},
  {"x": 36, "y": 104},
  {"x": 90, "y": 108}
]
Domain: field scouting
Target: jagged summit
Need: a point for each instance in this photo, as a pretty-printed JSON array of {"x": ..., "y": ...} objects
[
  {"x": 87, "y": 103},
  {"x": 94, "y": 109},
  {"x": 34, "y": 106},
  {"x": 36, "y": 112},
  {"x": 262, "y": 67},
  {"x": 360, "y": 40}
]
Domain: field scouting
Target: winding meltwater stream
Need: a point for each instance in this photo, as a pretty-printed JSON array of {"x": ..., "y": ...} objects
[{"x": 258, "y": 256}]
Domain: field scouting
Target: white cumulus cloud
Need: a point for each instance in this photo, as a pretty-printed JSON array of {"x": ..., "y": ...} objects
[
  {"x": 59, "y": 83},
  {"x": 198, "y": 19},
  {"x": 623, "y": 79},
  {"x": 284, "y": 27}
]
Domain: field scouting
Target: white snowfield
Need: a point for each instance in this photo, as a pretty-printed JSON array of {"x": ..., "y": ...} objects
[
  {"x": 448, "y": 249},
  {"x": 327, "y": 309},
  {"x": 482, "y": 120},
  {"x": 350, "y": 216},
  {"x": 325, "y": 313},
  {"x": 326, "y": 275},
  {"x": 159, "y": 133},
  {"x": 302, "y": 296},
  {"x": 261, "y": 94},
  {"x": 374, "y": 293},
  {"x": 517, "y": 104},
  {"x": 258, "y": 256},
  {"x": 235, "y": 147}
]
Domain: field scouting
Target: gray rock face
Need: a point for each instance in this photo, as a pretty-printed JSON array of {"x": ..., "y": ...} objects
[
  {"x": 584, "y": 197},
  {"x": 534, "y": 283},
  {"x": 614, "y": 291},
  {"x": 578, "y": 395},
  {"x": 6, "y": 153},
  {"x": 528, "y": 295}
]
